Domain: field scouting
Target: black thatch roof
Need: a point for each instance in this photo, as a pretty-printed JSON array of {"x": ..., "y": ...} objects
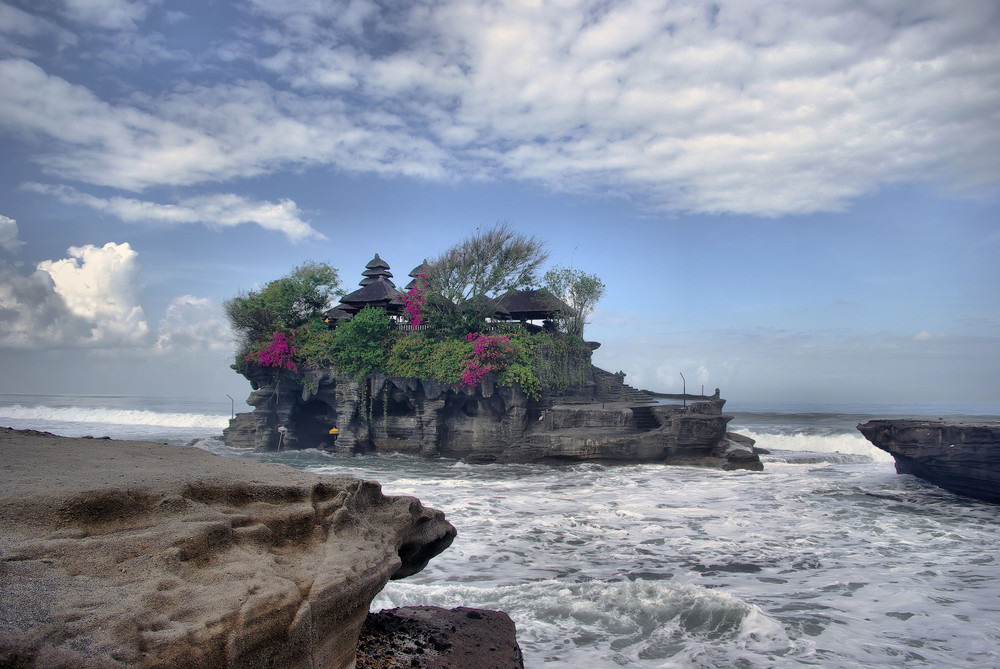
[
  {"x": 338, "y": 313},
  {"x": 488, "y": 306},
  {"x": 380, "y": 292},
  {"x": 421, "y": 269},
  {"x": 375, "y": 269},
  {"x": 377, "y": 263},
  {"x": 530, "y": 305}
]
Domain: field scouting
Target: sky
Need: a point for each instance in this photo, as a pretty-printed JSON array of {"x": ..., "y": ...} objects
[{"x": 792, "y": 202}]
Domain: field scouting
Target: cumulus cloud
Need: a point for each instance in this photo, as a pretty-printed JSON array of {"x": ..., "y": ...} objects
[
  {"x": 221, "y": 210},
  {"x": 90, "y": 299},
  {"x": 100, "y": 285},
  {"x": 8, "y": 234},
  {"x": 750, "y": 107},
  {"x": 33, "y": 315},
  {"x": 193, "y": 323}
]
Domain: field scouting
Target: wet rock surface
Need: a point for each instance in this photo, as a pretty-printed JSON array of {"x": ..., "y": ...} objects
[
  {"x": 961, "y": 457},
  {"x": 433, "y": 637}
]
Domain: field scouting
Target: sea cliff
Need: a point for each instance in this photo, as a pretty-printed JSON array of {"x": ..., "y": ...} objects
[
  {"x": 590, "y": 415},
  {"x": 120, "y": 553},
  {"x": 960, "y": 457}
]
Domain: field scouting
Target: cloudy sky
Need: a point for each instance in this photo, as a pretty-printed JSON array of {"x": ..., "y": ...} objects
[{"x": 789, "y": 201}]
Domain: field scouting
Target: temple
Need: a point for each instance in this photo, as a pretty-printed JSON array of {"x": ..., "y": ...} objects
[{"x": 579, "y": 413}]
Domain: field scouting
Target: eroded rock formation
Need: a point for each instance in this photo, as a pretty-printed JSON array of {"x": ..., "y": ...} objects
[
  {"x": 116, "y": 554},
  {"x": 596, "y": 417},
  {"x": 960, "y": 457}
]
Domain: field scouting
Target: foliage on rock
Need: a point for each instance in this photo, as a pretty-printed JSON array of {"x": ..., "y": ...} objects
[
  {"x": 284, "y": 304},
  {"x": 361, "y": 346},
  {"x": 579, "y": 290},
  {"x": 488, "y": 263},
  {"x": 418, "y": 356},
  {"x": 279, "y": 353}
]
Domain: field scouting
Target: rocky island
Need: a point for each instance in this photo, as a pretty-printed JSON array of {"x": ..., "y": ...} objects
[
  {"x": 959, "y": 457},
  {"x": 133, "y": 554},
  {"x": 504, "y": 390}
]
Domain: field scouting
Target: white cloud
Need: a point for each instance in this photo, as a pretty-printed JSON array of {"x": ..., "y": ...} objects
[
  {"x": 109, "y": 14},
  {"x": 90, "y": 299},
  {"x": 33, "y": 315},
  {"x": 193, "y": 323},
  {"x": 16, "y": 23},
  {"x": 749, "y": 107},
  {"x": 221, "y": 210},
  {"x": 99, "y": 285},
  {"x": 204, "y": 134},
  {"x": 8, "y": 234}
]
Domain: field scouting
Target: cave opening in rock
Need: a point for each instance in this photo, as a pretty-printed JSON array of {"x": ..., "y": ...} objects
[
  {"x": 396, "y": 403},
  {"x": 313, "y": 421}
]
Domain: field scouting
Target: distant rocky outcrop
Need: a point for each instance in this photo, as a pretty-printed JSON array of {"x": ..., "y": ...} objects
[
  {"x": 592, "y": 416},
  {"x": 130, "y": 554},
  {"x": 960, "y": 457}
]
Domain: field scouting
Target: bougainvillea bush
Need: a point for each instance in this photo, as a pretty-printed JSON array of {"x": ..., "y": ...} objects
[{"x": 278, "y": 353}]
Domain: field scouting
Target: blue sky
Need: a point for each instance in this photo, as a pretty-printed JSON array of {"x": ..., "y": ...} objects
[{"x": 788, "y": 201}]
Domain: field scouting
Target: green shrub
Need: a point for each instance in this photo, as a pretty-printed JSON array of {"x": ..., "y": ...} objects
[
  {"x": 361, "y": 346},
  {"x": 420, "y": 357}
]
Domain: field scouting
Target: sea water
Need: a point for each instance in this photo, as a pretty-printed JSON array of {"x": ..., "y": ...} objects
[{"x": 827, "y": 558}]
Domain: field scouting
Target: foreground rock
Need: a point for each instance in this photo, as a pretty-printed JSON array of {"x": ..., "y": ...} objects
[
  {"x": 117, "y": 554},
  {"x": 435, "y": 638},
  {"x": 960, "y": 457}
]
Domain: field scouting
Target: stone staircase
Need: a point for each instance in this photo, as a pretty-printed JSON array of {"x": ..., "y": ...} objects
[
  {"x": 612, "y": 388},
  {"x": 643, "y": 418}
]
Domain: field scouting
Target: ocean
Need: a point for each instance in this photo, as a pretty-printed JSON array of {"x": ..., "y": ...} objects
[{"x": 827, "y": 558}]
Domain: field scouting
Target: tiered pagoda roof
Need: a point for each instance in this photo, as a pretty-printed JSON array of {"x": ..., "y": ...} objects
[{"x": 377, "y": 290}]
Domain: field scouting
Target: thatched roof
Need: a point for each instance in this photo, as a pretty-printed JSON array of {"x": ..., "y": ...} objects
[
  {"x": 377, "y": 289},
  {"x": 420, "y": 270},
  {"x": 529, "y": 305},
  {"x": 488, "y": 306},
  {"x": 377, "y": 263},
  {"x": 338, "y": 313},
  {"x": 380, "y": 291},
  {"x": 375, "y": 269}
]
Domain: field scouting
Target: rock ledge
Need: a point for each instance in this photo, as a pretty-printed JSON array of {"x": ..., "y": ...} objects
[
  {"x": 132, "y": 554},
  {"x": 960, "y": 457}
]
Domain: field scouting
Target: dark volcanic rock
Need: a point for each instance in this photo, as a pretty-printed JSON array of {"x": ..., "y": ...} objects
[
  {"x": 436, "y": 638},
  {"x": 589, "y": 422},
  {"x": 960, "y": 457}
]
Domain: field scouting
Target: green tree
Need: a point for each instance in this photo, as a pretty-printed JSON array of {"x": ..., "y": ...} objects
[
  {"x": 579, "y": 290},
  {"x": 283, "y": 304},
  {"x": 489, "y": 263}
]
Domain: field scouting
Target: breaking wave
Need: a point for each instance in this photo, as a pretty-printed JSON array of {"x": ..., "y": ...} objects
[{"x": 107, "y": 416}]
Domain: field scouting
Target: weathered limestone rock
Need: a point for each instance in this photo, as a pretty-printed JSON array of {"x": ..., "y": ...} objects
[
  {"x": 960, "y": 457},
  {"x": 131, "y": 554}
]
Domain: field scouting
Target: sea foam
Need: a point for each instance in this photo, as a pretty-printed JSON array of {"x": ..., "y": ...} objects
[{"x": 108, "y": 416}]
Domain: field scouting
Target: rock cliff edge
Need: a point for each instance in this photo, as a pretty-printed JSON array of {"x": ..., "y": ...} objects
[
  {"x": 117, "y": 553},
  {"x": 960, "y": 457}
]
